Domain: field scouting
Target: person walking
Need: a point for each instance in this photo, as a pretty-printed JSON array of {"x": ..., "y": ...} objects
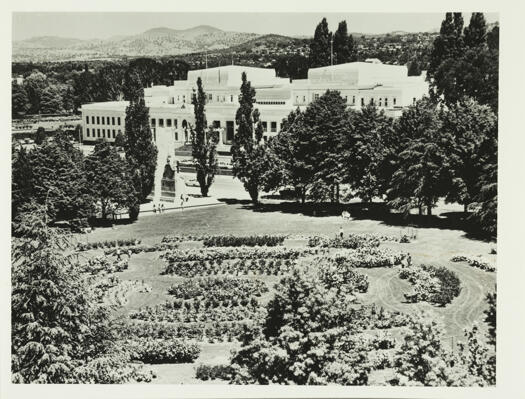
[
  {"x": 161, "y": 208},
  {"x": 341, "y": 233},
  {"x": 182, "y": 202},
  {"x": 118, "y": 253},
  {"x": 154, "y": 209}
]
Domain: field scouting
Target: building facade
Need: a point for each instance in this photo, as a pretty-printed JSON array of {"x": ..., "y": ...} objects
[{"x": 171, "y": 113}]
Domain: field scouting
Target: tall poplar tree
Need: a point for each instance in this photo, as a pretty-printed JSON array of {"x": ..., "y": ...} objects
[
  {"x": 344, "y": 50},
  {"x": 320, "y": 45},
  {"x": 141, "y": 152},
  {"x": 253, "y": 164},
  {"x": 203, "y": 142}
]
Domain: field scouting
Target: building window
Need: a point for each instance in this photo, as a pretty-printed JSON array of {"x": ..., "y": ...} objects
[
  {"x": 183, "y": 98},
  {"x": 98, "y": 120},
  {"x": 104, "y": 133},
  {"x": 87, "y": 119},
  {"x": 153, "y": 122},
  {"x": 362, "y": 102},
  {"x": 394, "y": 99},
  {"x": 175, "y": 123},
  {"x": 229, "y": 131},
  {"x": 273, "y": 127},
  {"x": 176, "y": 136},
  {"x": 210, "y": 97},
  {"x": 87, "y": 132},
  {"x": 216, "y": 124},
  {"x": 231, "y": 98},
  {"x": 380, "y": 102},
  {"x": 316, "y": 96},
  {"x": 386, "y": 101},
  {"x": 98, "y": 132},
  {"x": 92, "y": 120},
  {"x": 119, "y": 131},
  {"x": 265, "y": 126},
  {"x": 113, "y": 120},
  {"x": 103, "y": 120},
  {"x": 304, "y": 99},
  {"x": 168, "y": 122},
  {"x": 161, "y": 122},
  {"x": 296, "y": 99},
  {"x": 280, "y": 126},
  {"x": 353, "y": 100},
  {"x": 346, "y": 99},
  {"x": 413, "y": 100},
  {"x": 372, "y": 101},
  {"x": 114, "y": 133},
  {"x": 118, "y": 120}
]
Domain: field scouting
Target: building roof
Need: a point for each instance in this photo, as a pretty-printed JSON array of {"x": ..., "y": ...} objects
[{"x": 112, "y": 105}]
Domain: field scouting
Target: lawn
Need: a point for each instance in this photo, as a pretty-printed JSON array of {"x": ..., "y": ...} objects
[{"x": 434, "y": 245}]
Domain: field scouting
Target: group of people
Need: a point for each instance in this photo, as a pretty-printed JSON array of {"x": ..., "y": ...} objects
[{"x": 159, "y": 208}]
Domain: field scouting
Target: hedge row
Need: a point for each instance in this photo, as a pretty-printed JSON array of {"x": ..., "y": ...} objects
[{"x": 85, "y": 246}]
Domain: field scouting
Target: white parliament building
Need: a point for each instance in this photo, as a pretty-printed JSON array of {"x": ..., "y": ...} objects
[{"x": 387, "y": 86}]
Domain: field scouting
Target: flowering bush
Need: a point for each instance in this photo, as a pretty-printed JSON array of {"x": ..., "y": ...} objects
[
  {"x": 475, "y": 262},
  {"x": 221, "y": 289},
  {"x": 249, "y": 241},
  {"x": 156, "y": 351},
  {"x": 114, "y": 369},
  {"x": 85, "y": 246},
  {"x": 142, "y": 248},
  {"x": 370, "y": 257},
  {"x": 433, "y": 284},
  {"x": 352, "y": 241},
  {"x": 103, "y": 264}
]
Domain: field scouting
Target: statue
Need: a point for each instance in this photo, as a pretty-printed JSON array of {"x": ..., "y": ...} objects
[{"x": 168, "y": 182}]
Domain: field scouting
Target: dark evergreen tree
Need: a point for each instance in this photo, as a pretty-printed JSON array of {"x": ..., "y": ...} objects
[
  {"x": 40, "y": 135},
  {"x": 203, "y": 142},
  {"x": 132, "y": 88},
  {"x": 83, "y": 88},
  {"x": 108, "y": 179},
  {"x": 476, "y": 31},
  {"x": 320, "y": 45},
  {"x": 343, "y": 46},
  {"x": 141, "y": 152},
  {"x": 414, "y": 69},
  {"x": 21, "y": 178},
  {"x": 19, "y": 100}
]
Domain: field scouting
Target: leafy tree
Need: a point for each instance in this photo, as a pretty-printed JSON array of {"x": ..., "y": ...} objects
[
  {"x": 476, "y": 32},
  {"x": 59, "y": 181},
  {"x": 252, "y": 163},
  {"x": 306, "y": 338},
  {"x": 471, "y": 129},
  {"x": 60, "y": 333},
  {"x": 365, "y": 152},
  {"x": 108, "y": 178},
  {"x": 40, "y": 135},
  {"x": 422, "y": 169},
  {"x": 320, "y": 45},
  {"x": 50, "y": 101},
  {"x": 328, "y": 124},
  {"x": 108, "y": 83},
  {"x": 19, "y": 100},
  {"x": 296, "y": 154},
  {"x": 490, "y": 317},
  {"x": 343, "y": 46},
  {"x": 132, "y": 88},
  {"x": 486, "y": 202},
  {"x": 141, "y": 152},
  {"x": 35, "y": 85},
  {"x": 203, "y": 143}
]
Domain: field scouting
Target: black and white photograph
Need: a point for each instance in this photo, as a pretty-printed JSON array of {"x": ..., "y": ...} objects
[{"x": 255, "y": 198}]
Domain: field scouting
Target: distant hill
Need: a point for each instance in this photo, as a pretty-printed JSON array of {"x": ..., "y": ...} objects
[{"x": 153, "y": 43}]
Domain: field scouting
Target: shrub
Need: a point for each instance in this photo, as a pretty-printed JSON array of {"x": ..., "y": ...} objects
[
  {"x": 475, "y": 262},
  {"x": 352, "y": 241},
  {"x": 431, "y": 283},
  {"x": 214, "y": 372},
  {"x": 156, "y": 351},
  {"x": 81, "y": 246}
]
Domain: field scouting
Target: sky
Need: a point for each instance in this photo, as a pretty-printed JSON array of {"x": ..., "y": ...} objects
[{"x": 104, "y": 25}]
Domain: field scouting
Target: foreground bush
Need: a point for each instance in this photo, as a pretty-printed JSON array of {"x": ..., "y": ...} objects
[
  {"x": 220, "y": 289},
  {"x": 156, "y": 351},
  {"x": 352, "y": 241},
  {"x": 206, "y": 372}
]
